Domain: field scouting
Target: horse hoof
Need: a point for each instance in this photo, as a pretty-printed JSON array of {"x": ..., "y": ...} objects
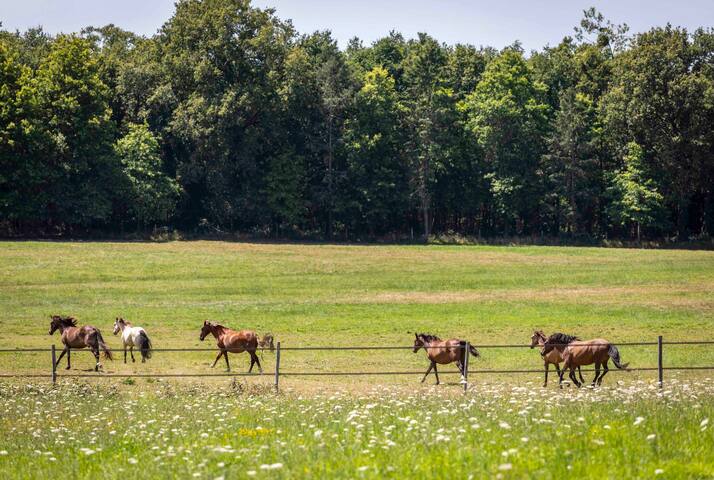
[{"x": 66, "y": 368}]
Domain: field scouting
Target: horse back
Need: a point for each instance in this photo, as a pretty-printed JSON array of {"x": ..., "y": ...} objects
[
  {"x": 585, "y": 352},
  {"x": 239, "y": 341}
]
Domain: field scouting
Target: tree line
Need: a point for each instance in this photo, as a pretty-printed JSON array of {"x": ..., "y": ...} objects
[{"x": 229, "y": 120}]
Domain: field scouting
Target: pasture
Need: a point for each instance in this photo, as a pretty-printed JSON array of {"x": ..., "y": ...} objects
[{"x": 315, "y": 295}]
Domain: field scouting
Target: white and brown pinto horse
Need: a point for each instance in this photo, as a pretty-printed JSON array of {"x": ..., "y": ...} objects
[
  {"x": 232, "y": 341},
  {"x": 553, "y": 357},
  {"x": 442, "y": 352},
  {"x": 133, "y": 337},
  {"x": 576, "y": 352},
  {"x": 78, "y": 337}
]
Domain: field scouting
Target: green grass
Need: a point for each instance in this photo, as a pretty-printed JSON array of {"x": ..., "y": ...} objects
[
  {"x": 159, "y": 431},
  {"x": 356, "y": 295}
]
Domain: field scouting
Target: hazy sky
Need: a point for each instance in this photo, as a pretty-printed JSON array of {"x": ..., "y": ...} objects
[{"x": 496, "y": 23}]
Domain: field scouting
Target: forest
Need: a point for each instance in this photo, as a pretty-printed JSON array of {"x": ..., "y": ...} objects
[{"x": 228, "y": 120}]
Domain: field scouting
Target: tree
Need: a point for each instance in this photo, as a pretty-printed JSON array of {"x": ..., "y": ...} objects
[
  {"x": 509, "y": 118},
  {"x": 636, "y": 200},
  {"x": 151, "y": 195},
  {"x": 73, "y": 134},
  {"x": 427, "y": 100},
  {"x": 376, "y": 171}
]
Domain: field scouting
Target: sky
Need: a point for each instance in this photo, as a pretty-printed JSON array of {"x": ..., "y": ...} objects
[{"x": 535, "y": 23}]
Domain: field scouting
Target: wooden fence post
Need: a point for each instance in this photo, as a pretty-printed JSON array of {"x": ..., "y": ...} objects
[
  {"x": 277, "y": 369},
  {"x": 466, "y": 366},
  {"x": 660, "y": 370},
  {"x": 54, "y": 364}
]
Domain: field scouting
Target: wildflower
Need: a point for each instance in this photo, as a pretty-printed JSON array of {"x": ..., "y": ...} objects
[
  {"x": 638, "y": 420},
  {"x": 3, "y": 452},
  {"x": 318, "y": 433},
  {"x": 505, "y": 466},
  {"x": 504, "y": 425},
  {"x": 133, "y": 461},
  {"x": 362, "y": 469},
  {"x": 250, "y": 473},
  {"x": 272, "y": 466},
  {"x": 659, "y": 471},
  {"x": 651, "y": 436}
]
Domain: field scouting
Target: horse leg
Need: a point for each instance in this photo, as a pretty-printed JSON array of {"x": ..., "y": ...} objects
[
  {"x": 228, "y": 365},
  {"x": 216, "y": 360},
  {"x": 257, "y": 362},
  {"x": 65, "y": 350},
  {"x": 572, "y": 377},
  {"x": 95, "y": 352},
  {"x": 547, "y": 367},
  {"x": 124, "y": 353},
  {"x": 428, "y": 370},
  {"x": 604, "y": 366},
  {"x": 582, "y": 380},
  {"x": 131, "y": 350},
  {"x": 436, "y": 372},
  {"x": 597, "y": 373}
]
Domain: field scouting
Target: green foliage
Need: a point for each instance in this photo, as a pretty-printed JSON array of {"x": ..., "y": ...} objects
[
  {"x": 266, "y": 130},
  {"x": 635, "y": 197},
  {"x": 152, "y": 195}
]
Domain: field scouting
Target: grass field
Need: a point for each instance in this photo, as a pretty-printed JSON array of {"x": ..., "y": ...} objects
[{"x": 356, "y": 295}]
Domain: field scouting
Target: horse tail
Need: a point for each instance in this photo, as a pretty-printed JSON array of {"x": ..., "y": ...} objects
[
  {"x": 615, "y": 355},
  {"x": 103, "y": 346},
  {"x": 472, "y": 349},
  {"x": 144, "y": 345}
]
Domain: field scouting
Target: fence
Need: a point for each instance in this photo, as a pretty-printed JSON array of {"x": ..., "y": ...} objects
[{"x": 660, "y": 368}]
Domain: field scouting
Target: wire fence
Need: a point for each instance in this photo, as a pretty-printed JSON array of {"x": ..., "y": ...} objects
[{"x": 278, "y": 373}]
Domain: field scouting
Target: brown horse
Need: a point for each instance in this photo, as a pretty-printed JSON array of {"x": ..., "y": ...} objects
[
  {"x": 576, "y": 353},
  {"x": 442, "y": 352},
  {"x": 78, "y": 337},
  {"x": 553, "y": 357},
  {"x": 232, "y": 341}
]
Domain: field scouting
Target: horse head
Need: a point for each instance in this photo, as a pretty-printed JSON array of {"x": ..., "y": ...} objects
[
  {"x": 205, "y": 330},
  {"x": 418, "y": 342},
  {"x": 537, "y": 337},
  {"x": 118, "y": 323}
]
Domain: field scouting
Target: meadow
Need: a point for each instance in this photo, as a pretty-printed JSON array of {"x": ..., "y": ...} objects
[{"x": 351, "y": 427}]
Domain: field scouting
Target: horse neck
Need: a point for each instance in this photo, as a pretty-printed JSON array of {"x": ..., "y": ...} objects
[
  {"x": 218, "y": 331},
  {"x": 541, "y": 340}
]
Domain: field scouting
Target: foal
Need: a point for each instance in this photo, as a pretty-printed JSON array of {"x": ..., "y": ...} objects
[
  {"x": 553, "y": 357},
  {"x": 232, "y": 341},
  {"x": 442, "y": 352},
  {"x": 78, "y": 337},
  {"x": 133, "y": 337},
  {"x": 576, "y": 353}
]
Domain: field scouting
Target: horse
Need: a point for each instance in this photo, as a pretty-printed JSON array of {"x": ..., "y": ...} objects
[
  {"x": 576, "y": 353},
  {"x": 553, "y": 357},
  {"x": 78, "y": 337},
  {"x": 232, "y": 341},
  {"x": 267, "y": 342},
  {"x": 443, "y": 352},
  {"x": 133, "y": 337}
]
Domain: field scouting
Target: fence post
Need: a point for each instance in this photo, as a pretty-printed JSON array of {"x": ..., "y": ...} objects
[
  {"x": 54, "y": 364},
  {"x": 660, "y": 370},
  {"x": 277, "y": 369},
  {"x": 466, "y": 366}
]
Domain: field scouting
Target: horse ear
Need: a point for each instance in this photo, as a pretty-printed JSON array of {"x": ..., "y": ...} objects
[{"x": 416, "y": 336}]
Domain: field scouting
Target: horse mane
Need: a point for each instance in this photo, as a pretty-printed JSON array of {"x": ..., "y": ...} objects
[
  {"x": 562, "y": 338},
  {"x": 428, "y": 337},
  {"x": 66, "y": 321}
]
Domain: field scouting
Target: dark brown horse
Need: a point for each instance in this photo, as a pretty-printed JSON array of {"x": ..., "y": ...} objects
[
  {"x": 553, "y": 357},
  {"x": 442, "y": 352},
  {"x": 576, "y": 352},
  {"x": 232, "y": 341},
  {"x": 79, "y": 337}
]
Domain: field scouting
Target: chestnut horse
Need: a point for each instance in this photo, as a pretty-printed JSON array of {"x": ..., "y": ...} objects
[
  {"x": 78, "y": 337},
  {"x": 576, "y": 353},
  {"x": 553, "y": 357},
  {"x": 232, "y": 341},
  {"x": 442, "y": 352}
]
